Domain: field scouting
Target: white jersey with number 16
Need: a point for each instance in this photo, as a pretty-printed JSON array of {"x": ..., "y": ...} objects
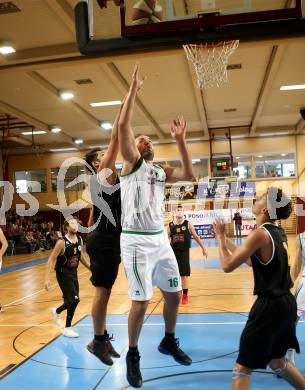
[{"x": 142, "y": 195}]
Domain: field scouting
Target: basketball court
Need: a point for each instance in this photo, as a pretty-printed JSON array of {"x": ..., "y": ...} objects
[{"x": 235, "y": 70}]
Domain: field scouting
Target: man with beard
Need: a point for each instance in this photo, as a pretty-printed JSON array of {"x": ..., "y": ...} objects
[{"x": 146, "y": 252}]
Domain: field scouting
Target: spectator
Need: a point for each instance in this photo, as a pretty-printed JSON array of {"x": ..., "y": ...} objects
[{"x": 238, "y": 224}]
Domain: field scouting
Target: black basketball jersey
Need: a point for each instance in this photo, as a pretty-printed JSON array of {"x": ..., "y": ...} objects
[
  {"x": 273, "y": 278},
  {"x": 180, "y": 235},
  {"x": 69, "y": 260},
  {"x": 106, "y": 206}
]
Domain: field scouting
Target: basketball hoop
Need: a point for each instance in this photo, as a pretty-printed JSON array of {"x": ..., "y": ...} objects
[{"x": 210, "y": 62}]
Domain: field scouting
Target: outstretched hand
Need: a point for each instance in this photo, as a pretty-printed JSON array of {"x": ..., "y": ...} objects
[
  {"x": 178, "y": 128},
  {"x": 219, "y": 228},
  {"x": 137, "y": 82}
]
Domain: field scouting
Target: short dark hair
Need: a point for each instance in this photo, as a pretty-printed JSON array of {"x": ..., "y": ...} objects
[
  {"x": 274, "y": 197},
  {"x": 91, "y": 156}
]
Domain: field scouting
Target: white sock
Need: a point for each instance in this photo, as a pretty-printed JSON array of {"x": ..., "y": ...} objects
[{"x": 290, "y": 355}]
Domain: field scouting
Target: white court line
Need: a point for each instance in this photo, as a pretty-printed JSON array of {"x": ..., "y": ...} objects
[
  {"x": 37, "y": 292},
  {"x": 155, "y": 324}
]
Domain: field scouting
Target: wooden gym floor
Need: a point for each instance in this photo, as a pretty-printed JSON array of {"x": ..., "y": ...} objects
[{"x": 26, "y": 324}]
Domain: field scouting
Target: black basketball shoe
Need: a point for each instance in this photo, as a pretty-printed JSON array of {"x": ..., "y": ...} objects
[
  {"x": 170, "y": 346},
  {"x": 134, "y": 376},
  {"x": 111, "y": 349},
  {"x": 101, "y": 350}
]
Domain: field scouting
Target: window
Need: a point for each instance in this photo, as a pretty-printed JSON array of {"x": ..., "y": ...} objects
[
  {"x": 276, "y": 165},
  {"x": 243, "y": 169},
  {"x": 71, "y": 174},
  {"x": 23, "y": 181}
]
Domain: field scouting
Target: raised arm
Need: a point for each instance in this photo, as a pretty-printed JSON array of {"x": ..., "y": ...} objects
[
  {"x": 297, "y": 265},
  {"x": 178, "y": 129},
  {"x": 127, "y": 142},
  {"x": 109, "y": 158},
  {"x": 57, "y": 250},
  {"x": 241, "y": 254},
  {"x": 4, "y": 246}
]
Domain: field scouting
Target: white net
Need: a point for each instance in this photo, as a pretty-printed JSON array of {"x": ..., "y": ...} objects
[{"x": 210, "y": 62}]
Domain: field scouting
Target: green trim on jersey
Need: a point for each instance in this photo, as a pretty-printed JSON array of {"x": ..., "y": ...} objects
[
  {"x": 139, "y": 232},
  {"x": 136, "y": 167},
  {"x": 135, "y": 269}
]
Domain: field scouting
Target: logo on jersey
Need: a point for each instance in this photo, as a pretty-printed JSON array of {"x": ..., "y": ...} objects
[
  {"x": 183, "y": 228},
  {"x": 79, "y": 248},
  {"x": 137, "y": 293}
]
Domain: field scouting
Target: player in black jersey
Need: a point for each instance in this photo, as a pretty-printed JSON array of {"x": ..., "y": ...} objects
[
  {"x": 103, "y": 245},
  {"x": 180, "y": 232},
  {"x": 271, "y": 327},
  {"x": 66, "y": 255}
]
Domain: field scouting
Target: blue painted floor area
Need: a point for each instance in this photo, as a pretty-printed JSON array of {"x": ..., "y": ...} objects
[
  {"x": 210, "y": 339},
  {"x": 27, "y": 264},
  {"x": 212, "y": 243},
  {"x": 210, "y": 264}
]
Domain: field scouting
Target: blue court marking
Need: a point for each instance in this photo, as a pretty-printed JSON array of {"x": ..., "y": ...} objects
[
  {"x": 210, "y": 264},
  {"x": 24, "y": 265},
  {"x": 18, "y": 267},
  {"x": 210, "y": 339},
  {"x": 212, "y": 243}
]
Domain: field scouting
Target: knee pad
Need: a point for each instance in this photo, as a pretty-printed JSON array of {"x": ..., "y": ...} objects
[
  {"x": 237, "y": 374},
  {"x": 280, "y": 371}
]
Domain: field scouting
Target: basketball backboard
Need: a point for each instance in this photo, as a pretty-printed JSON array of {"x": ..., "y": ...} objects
[
  {"x": 134, "y": 26},
  {"x": 170, "y": 15}
]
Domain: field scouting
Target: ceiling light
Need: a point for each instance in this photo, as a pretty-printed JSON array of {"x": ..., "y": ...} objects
[
  {"x": 292, "y": 87},
  {"x": 105, "y": 104},
  {"x": 283, "y": 154},
  {"x": 36, "y": 132},
  {"x": 66, "y": 95},
  {"x": 78, "y": 141},
  {"x": 237, "y": 158},
  {"x": 7, "y": 49},
  {"x": 106, "y": 125},
  {"x": 260, "y": 156},
  {"x": 63, "y": 150},
  {"x": 196, "y": 160},
  {"x": 55, "y": 129}
]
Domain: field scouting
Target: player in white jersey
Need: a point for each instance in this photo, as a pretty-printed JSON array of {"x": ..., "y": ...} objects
[
  {"x": 146, "y": 252},
  {"x": 296, "y": 269}
]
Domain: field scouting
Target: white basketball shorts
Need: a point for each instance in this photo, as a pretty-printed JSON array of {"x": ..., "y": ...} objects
[{"x": 149, "y": 261}]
